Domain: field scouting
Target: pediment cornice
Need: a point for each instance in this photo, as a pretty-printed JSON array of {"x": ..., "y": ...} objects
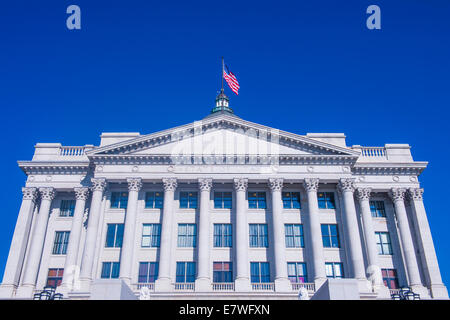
[
  {"x": 126, "y": 148},
  {"x": 60, "y": 167},
  {"x": 413, "y": 168}
]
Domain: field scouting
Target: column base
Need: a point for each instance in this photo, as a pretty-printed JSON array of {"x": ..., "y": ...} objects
[
  {"x": 420, "y": 289},
  {"x": 439, "y": 291},
  {"x": 7, "y": 291},
  {"x": 242, "y": 285},
  {"x": 25, "y": 292},
  {"x": 203, "y": 285},
  {"x": 283, "y": 285},
  {"x": 163, "y": 285}
]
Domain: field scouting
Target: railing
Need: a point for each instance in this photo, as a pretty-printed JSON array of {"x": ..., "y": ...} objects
[
  {"x": 373, "y": 152},
  {"x": 269, "y": 286},
  {"x": 394, "y": 291},
  {"x": 71, "y": 151},
  {"x": 309, "y": 286},
  {"x": 223, "y": 286},
  {"x": 185, "y": 286},
  {"x": 150, "y": 286}
]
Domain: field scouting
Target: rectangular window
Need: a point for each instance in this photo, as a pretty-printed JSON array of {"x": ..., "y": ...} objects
[
  {"x": 294, "y": 235},
  {"x": 256, "y": 200},
  {"x": 297, "y": 272},
  {"x": 291, "y": 200},
  {"x": 330, "y": 236},
  {"x": 334, "y": 270},
  {"x": 260, "y": 272},
  {"x": 110, "y": 270},
  {"x": 188, "y": 200},
  {"x": 326, "y": 200},
  {"x": 383, "y": 242},
  {"x": 151, "y": 235},
  {"x": 390, "y": 278},
  {"x": 222, "y": 200},
  {"x": 377, "y": 209},
  {"x": 67, "y": 208},
  {"x": 54, "y": 277},
  {"x": 154, "y": 200},
  {"x": 185, "y": 272},
  {"x": 222, "y": 272},
  {"x": 61, "y": 242},
  {"x": 119, "y": 200},
  {"x": 114, "y": 235},
  {"x": 148, "y": 272},
  {"x": 258, "y": 236},
  {"x": 223, "y": 235},
  {"x": 187, "y": 234}
]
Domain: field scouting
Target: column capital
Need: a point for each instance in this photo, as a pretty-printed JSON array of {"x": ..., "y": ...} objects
[
  {"x": 170, "y": 184},
  {"x": 205, "y": 184},
  {"x": 415, "y": 194},
  {"x": 29, "y": 193},
  {"x": 346, "y": 185},
  {"x": 98, "y": 184},
  {"x": 240, "y": 184},
  {"x": 81, "y": 193},
  {"x": 397, "y": 194},
  {"x": 276, "y": 184},
  {"x": 47, "y": 193},
  {"x": 134, "y": 184},
  {"x": 363, "y": 194},
  {"x": 311, "y": 184}
]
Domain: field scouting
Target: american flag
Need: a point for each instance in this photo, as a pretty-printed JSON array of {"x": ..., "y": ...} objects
[{"x": 230, "y": 78}]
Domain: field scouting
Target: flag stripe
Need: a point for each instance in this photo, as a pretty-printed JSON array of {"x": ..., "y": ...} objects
[{"x": 231, "y": 81}]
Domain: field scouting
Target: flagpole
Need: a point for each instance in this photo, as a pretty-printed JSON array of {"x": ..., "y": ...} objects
[{"x": 222, "y": 75}]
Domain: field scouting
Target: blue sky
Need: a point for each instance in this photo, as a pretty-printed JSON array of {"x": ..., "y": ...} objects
[{"x": 303, "y": 66}]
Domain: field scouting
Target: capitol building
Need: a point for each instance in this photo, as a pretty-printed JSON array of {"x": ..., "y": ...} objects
[{"x": 222, "y": 208}]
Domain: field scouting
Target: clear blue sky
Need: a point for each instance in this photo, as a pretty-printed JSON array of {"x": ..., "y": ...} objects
[{"x": 303, "y": 66}]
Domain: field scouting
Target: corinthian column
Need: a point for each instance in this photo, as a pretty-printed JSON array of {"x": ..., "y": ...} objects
[
  {"x": 412, "y": 268},
  {"x": 18, "y": 247},
  {"x": 126, "y": 258},
  {"x": 203, "y": 281},
  {"x": 87, "y": 264},
  {"x": 363, "y": 195},
  {"x": 242, "y": 281},
  {"x": 37, "y": 243},
  {"x": 347, "y": 187},
  {"x": 426, "y": 246},
  {"x": 71, "y": 268},
  {"x": 281, "y": 278},
  {"x": 314, "y": 233},
  {"x": 164, "y": 281}
]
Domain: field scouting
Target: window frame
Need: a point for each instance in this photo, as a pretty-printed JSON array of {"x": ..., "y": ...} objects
[
  {"x": 156, "y": 202},
  {"x": 149, "y": 276},
  {"x": 261, "y": 238},
  {"x": 377, "y": 208},
  {"x": 290, "y": 199},
  {"x": 298, "y": 240},
  {"x": 297, "y": 276},
  {"x": 328, "y": 201},
  {"x": 154, "y": 239},
  {"x": 122, "y": 200},
  {"x": 222, "y": 239},
  {"x": 60, "y": 243},
  {"x": 187, "y": 265},
  {"x": 387, "y": 280},
  {"x": 117, "y": 237},
  {"x": 382, "y": 245},
  {"x": 190, "y": 203},
  {"x": 333, "y": 268},
  {"x": 226, "y": 276},
  {"x": 259, "y": 276},
  {"x": 110, "y": 270},
  {"x": 220, "y": 200},
  {"x": 187, "y": 240},
  {"x": 67, "y": 208},
  {"x": 260, "y": 200},
  {"x": 57, "y": 278}
]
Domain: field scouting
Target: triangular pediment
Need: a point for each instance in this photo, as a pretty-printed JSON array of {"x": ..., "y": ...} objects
[{"x": 222, "y": 135}]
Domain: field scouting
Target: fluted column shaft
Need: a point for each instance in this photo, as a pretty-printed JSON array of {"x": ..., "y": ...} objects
[
  {"x": 314, "y": 231},
  {"x": 427, "y": 251},
  {"x": 129, "y": 232},
  {"x": 19, "y": 241},
  {"x": 203, "y": 276},
  {"x": 347, "y": 187},
  {"x": 412, "y": 268},
  {"x": 170, "y": 184},
  {"x": 87, "y": 264},
  {"x": 37, "y": 242},
  {"x": 71, "y": 268},
  {"x": 279, "y": 246},
  {"x": 363, "y": 195},
  {"x": 242, "y": 281}
]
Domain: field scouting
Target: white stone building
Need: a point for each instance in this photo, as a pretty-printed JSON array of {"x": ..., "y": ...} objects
[{"x": 221, "y": 208}]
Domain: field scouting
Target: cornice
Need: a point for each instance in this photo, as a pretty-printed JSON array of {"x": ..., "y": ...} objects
[
  {"x": 413, "y": 168},
  {"x": 60, "y": 167}
]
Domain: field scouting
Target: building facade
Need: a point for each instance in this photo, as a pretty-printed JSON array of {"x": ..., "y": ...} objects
[{"x": 222, "y": 208}]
